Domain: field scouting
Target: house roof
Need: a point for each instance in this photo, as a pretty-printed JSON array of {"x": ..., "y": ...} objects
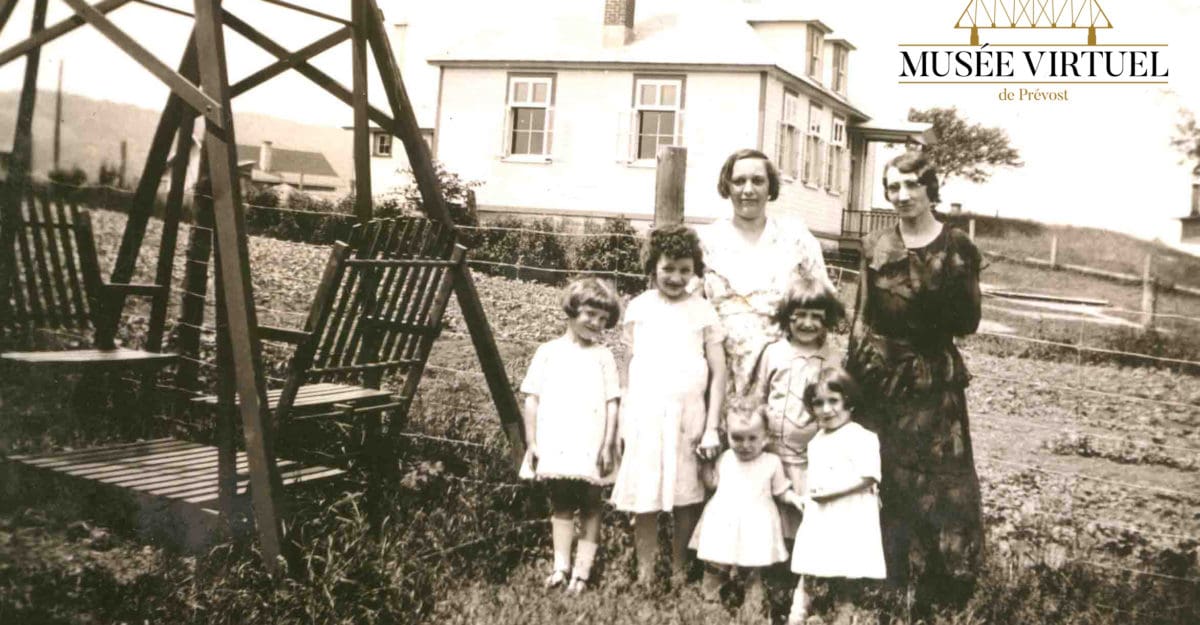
[
  {"x": 714, "y": 33},
  {"x": 289, "y": 161}
]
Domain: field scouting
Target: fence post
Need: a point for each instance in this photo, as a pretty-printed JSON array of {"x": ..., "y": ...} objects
[
  {"x": 971, "y": 229},
  {"x": 1149, "y": 294},
  {"x": 668, "y": 185},
  {"x": 1054, "y": 251}
]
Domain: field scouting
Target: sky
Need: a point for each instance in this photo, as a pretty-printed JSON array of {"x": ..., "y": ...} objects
[{"x": 1103, "y": 158}]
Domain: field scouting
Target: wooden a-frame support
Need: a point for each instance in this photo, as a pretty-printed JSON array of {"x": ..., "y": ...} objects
[{"x": 200, "y": 88}]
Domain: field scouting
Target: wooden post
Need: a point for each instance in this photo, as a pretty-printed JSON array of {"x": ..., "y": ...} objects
[
  {"x": 170, "y": 232},
  {"x": 971, "y": 229},
  {"x": 124, "y": 162},
  {"x": 1054, "y": 251},
  {"x": 58, "y": 117},
  {"x": 668, "y": 185},
  {"x": 6, "y": 8},
  {"x": 1149, "y": 294},
  {"x": 406, "y": 129},
  {"x": 236, "y": 290},
  {"x": 362, "y": 131}
]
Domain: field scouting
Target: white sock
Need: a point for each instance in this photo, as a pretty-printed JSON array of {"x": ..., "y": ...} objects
[
  {"x": 585, "y": 555},
  {"x": 562, "y": 531}
]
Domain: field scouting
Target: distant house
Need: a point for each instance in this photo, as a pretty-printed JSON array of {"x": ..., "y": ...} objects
[
  {"x": 560, "y": 110},
  {"x": 266, "y": 166},
  {"x": 388, "y": 159}
]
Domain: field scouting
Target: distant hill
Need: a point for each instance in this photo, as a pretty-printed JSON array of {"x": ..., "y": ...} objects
[
  {"x": 1090, "y": 247},
  {"x": 92, "y": 131}
]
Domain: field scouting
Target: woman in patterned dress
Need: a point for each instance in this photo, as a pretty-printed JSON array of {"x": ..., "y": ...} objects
[
  {"x": 751, "y": 259},
  {"x": 918, "y": 289}
]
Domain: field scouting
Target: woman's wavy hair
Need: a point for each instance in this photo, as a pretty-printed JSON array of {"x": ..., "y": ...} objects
[
  {"x": 916, "y": 161},
  {"x": 673, "y": 241},
  {"x": 592, "y": 292},
  {"x": 724, "y": 180}
]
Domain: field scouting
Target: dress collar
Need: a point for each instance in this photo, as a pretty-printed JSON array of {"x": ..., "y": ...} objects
[{"x": 890, "y": 248}]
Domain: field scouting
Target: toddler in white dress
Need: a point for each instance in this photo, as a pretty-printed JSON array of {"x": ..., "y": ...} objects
[
  {"x": 572, "y": 392},
  {"x": 740, "y": 526},
  {"x": 839, "y": 536}
]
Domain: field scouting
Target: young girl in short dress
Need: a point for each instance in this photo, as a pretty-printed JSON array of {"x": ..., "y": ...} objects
[
  {"x": 810, "y": 308},
  {"x": 572, "y": 390},
  {"x": 741, "y": 524},
  {"x": 840, "y": 536},
  {"x": 666, "y": 426}
]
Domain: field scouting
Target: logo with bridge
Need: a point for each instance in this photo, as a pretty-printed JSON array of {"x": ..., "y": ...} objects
[
  {"x": 1007, "y": 46},
  {"x": 1027, "y": 14}
]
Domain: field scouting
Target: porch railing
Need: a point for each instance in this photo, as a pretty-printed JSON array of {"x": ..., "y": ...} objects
[{"x": 856, "y": 223}]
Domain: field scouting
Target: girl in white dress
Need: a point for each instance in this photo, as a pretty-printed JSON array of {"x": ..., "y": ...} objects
[
  {"x": 741, "y": 525},
  {"x": 666, "y": 426},
  {"x": 840, "y": 536},
  {"x": 572, "y": 390}
]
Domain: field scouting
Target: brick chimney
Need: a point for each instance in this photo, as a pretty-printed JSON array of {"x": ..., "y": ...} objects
[
  {"x": 264, "y": 156},
  {"x": 618, "y": 22}
]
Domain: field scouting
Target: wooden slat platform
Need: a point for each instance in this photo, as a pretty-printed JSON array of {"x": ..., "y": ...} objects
[
  {"x": 91, "y": 358},
  {"x": 316, "y": 395},
  {"x": 179, "y": 472}
]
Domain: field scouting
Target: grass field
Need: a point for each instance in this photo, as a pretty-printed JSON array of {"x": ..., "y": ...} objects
[
  {"x": 1090, "y": 247},
  {"x": 1090, "y": 482}
]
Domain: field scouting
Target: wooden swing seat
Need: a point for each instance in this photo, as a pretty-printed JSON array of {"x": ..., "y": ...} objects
[
  {"x": 376, "y": 313},
  {"x": 54, "y": 284}
]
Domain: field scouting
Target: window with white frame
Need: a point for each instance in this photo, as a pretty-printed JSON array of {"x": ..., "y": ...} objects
[
  {"x": 814, "y": 148},
  {"x": 835, "y": 167},
  {"x": 381, "y": 144},
  {"x": 529, "y": 116},
  {"x": 840, "y": 62},
  {"x": 657, "y": 115},
  {"x": 791, "y": 136},
  {"x": 816, "y": 48}
]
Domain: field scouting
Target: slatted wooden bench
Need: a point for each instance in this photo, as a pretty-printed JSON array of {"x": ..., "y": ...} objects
[
  {"x": 376, "y": 313},
  {"x": 50, "y": 280},
  {"x": 173, "y": 485}
]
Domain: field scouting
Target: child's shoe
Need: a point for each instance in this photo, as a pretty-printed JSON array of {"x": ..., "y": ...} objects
[
  {"x": 585, "y": 555},
  {"x": 556, "y": 579}
]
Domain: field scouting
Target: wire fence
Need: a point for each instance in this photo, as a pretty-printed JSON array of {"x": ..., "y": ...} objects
[{"x": 442, "y": 392}]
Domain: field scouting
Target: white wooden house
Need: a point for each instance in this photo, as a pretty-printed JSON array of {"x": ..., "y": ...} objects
[{"x": 560, "y": 111}]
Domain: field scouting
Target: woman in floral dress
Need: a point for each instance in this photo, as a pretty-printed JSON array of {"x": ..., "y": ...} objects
[
  {"x": 918, "y": 289},
  {"x": 751, "y": 259}
]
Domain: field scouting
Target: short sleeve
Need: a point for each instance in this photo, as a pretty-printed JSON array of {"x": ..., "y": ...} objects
[
  {"x": 866, "y": 455},
  {"x": 779, "y": 480},
  {"x": 608, "y": 369},
  {"x": 537, "y": 371},
  {"x": 705, "y": 316},
  {"x": 633, "y": 314}
]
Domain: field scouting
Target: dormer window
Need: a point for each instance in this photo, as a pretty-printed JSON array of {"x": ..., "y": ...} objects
[
  {"x": 839, "y": 61},
  {"x": 839, "y": 69},
  {"x": 816, "y": 48}
]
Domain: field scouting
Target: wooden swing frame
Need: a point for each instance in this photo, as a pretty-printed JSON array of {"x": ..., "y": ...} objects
[{"x": 200, "y": 88}]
